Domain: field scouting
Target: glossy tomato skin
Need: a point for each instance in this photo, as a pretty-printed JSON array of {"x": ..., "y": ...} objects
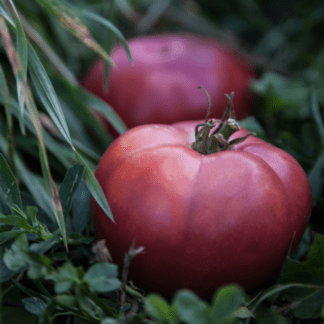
[
  {"x": 161, "y": 85},
  {"x": 204, "y": 220}
]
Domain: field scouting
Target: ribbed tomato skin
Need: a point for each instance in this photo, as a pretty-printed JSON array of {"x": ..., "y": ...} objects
[
  {"x": 162, "y": 84},
  {"x": 204, "y": 220}
]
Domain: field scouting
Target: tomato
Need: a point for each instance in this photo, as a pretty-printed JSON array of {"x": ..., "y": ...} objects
[
  {"x": 205, "y": 220},
  {"x": 161, "y": 85}
]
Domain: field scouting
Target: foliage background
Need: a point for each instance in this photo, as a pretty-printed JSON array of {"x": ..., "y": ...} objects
[{"x": 45, "y": 48}]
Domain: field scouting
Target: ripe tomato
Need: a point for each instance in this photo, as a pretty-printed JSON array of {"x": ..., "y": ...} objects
[
  {"x": 161, "y": 86},
  {"x": 204, "y": 220}
]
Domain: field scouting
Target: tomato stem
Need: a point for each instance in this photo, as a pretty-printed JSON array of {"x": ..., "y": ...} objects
[{"x": 218, "y": 141}]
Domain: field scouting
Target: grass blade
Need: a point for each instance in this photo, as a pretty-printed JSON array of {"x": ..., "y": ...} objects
[
  {"x": 47, "y": 94},
  {"x": 112, "y": 28},
  {"x": 8, "y": 185},
  {"x": 94, "y": 187},
  {"x": 74, "y": 25}
]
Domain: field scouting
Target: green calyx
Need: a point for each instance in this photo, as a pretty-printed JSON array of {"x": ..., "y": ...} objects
[{"x": 218, "y": 140}]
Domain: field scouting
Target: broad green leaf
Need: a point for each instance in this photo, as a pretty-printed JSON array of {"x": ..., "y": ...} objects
[
  {"x": 43, "y": 318},
  {"x": 69, "y": 186},
  {"x": 8, "y": 185},
  {"x": 67, "y": 276},
  {"x": 309, "y": 307},
  {"x": 17, "y": 221},
  {"x": 15, "y": 257},
  {"x": 158, "y": 308},
  {"x": 226, "y": 303},
  {"x": 10, "y": 235},
  {"x": 44, "y": 246},
  {"x": 251, "y": 124},
  {"x": 102, "y": 277},
  {"x": 191, "y": 308},
  {"x": 6, "y": 273},
  {"x": 66, "y": 300},
  {"x": 34, "y": 305},
  {"x": 88, "y": 305},
  {"x": 80, "y": 208}
]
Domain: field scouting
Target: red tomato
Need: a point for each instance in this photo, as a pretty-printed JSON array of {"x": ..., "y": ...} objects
[
  {"x": 161, "y": 86},
  {"x": 204, "y": 220}
]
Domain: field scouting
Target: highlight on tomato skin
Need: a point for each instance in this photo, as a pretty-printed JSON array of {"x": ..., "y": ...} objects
[
  {"x": 161, "y": 85},
  {"x": 205, "y": 220}
]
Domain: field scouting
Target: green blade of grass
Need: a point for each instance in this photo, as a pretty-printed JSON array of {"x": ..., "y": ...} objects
[
  {"x": 317, "y": 114},
  {"x": 16, "y": 66},
  {"x": 112, "y": 28},
  {"x": 8, "y": 185},
  {"x": 94, "y": 187},
  {"x": 47, "y": 94},
  {"x": 4, "y": 93},
  {"x": 21, "y": 44},
  {"x": 74, "y": 25}
]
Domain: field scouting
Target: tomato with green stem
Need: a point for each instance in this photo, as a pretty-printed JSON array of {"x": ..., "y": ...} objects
[{"x": 211, "y": 204}]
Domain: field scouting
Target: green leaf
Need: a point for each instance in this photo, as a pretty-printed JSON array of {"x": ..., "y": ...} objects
[
  {"x": 317, "y": 114},
  {"x": 107, "y": 111},
  {"x": 102, "y": 277},
  {"x": 251, "y": 124},
  {"x": 315, "y": 258},
  {"x": 87, "y": 305},
  {"x": 46, "y": 92},
  {"x": 30, "y": 292},
  {"x": 15, "y": 257},
  {"x": 226, "y": 303},
  {"x": 311, "y": 272},
  {"x": 66, "y": 300},
  {"x": 21, "y": 44},
  {"x": 34, "y": 305},
  {"x": 5, "y": 273},
  {"x": 41, "y": 248},
  {"x": 6, "y": 15},
  {"x": 158, "y": 308},
  {"x": 8, "y": 185},
  {"x": 109, "y": 321},
  {"x": 270, "y": 316},
  {"x": 74, "y": 25},
  {"x": 16, "y": 221},
  {"x": 67, "y": 276},
  {"x": 190, "y": 308},
  {"x": 94, "y": 187},
  {"x": 10, "y": 235},
  {"x": 112, "y": 28},
  {"x": 310, "y": 306},
  {"x": 316, "y": 179},
  {"x": 5, "y": 94},
  {"x": 69, "y": 186},
  {"x": 49, "y": 309},
  {"x": 80, "y": 208}
]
